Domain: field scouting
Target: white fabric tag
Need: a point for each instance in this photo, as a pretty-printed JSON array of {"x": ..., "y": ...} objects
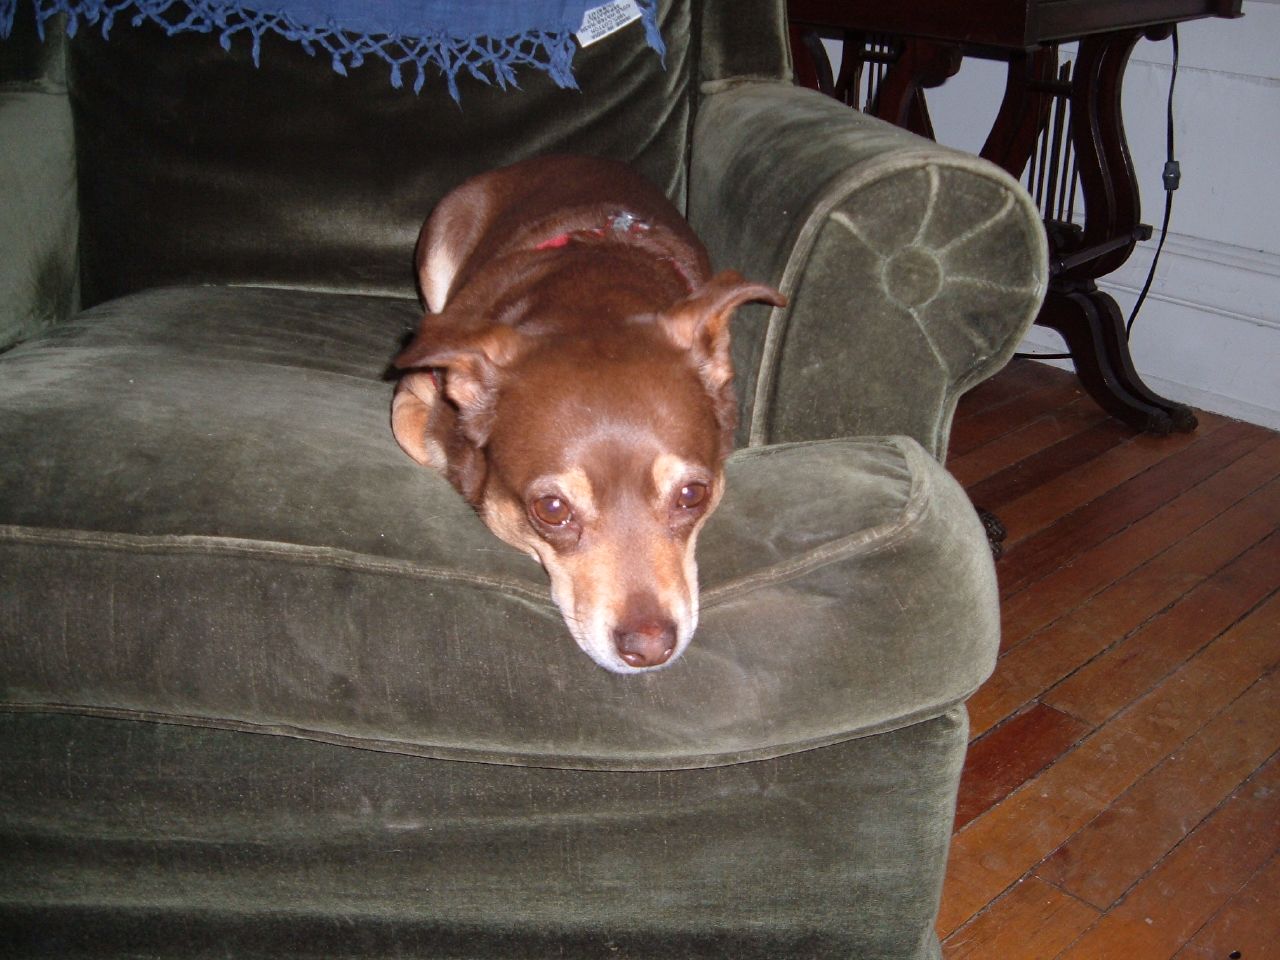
[{"x": 608, "y": 18}]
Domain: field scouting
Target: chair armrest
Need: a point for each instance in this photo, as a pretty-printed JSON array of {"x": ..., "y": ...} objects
[
  {"x": 38, "y": 214},
  {"x": 912, "y": 269}
]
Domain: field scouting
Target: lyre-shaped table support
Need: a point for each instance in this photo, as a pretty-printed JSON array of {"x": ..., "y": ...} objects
[
  {"x": 1064, "y": 128},
  {"x": 1074, "y": 117}
]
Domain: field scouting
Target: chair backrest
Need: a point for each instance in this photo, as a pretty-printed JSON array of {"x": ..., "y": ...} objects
[
  {"x": 196, "y": 166},
  {"x": 193, "y": 165}
]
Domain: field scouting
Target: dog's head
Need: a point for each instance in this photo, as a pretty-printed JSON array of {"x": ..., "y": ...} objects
[{"x": 600, "y": 456}]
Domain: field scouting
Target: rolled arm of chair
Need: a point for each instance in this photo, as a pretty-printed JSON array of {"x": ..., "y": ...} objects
[
  {"x": 38, "y": 213},
  {"x": 912, "y": 269}
]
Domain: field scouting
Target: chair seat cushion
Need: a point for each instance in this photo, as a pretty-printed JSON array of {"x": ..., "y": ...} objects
[{"x": 205, "y": 520}]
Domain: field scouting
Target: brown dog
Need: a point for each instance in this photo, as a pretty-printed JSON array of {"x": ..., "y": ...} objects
[{"x": 572, "y": 380}]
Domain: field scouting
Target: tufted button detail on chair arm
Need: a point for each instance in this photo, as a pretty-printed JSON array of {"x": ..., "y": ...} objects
[{"x": 912, "y": 276}]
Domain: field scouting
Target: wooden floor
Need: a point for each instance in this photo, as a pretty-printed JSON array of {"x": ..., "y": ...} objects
[{"x": 1121, "y": 797}]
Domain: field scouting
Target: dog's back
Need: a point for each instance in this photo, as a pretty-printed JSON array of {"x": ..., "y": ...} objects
[{"x": 533, "y": 203}]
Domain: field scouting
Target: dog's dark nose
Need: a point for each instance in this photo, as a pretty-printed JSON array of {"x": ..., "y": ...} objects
[{"x": 646, "y": 644}]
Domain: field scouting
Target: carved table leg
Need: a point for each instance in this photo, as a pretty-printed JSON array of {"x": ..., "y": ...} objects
[
  {"x": 920, "y": 64},
  {"x": 1091, "y": 324},
  {"x": 810, "y": 62},
  {"x": 1076, "y": 114}
]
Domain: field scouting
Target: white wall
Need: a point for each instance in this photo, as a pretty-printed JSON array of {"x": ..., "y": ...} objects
[{"x": 1209, "y": 333}]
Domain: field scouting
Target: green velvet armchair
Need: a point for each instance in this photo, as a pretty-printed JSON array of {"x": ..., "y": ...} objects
[{"x": 268, "y": 688}]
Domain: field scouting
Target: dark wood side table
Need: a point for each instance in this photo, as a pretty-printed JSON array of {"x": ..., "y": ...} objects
[{"x": 1061, "y": 126}]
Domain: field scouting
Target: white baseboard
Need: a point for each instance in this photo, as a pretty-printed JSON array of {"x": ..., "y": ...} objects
[
  {"x": 1041, "y": 340},
  {"x": 1209, "y": 332}
]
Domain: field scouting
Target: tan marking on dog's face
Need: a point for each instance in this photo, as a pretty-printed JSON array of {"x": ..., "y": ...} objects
[
  {"x": 507, "y": 520},
  {"x": 576, "y": 487},
  {"x": 595, "y": 586},
  {"x": 668, "y": 471},
  {"x": 635, "y": 452},
  {"x": 612, "y": 563},
  {"x": 671, "y": 474}
]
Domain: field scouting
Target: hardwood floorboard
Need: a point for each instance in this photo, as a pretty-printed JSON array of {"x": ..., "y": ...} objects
[
  {"x": 1033, "y": 921},
  {"x": 1012, "y": 838},
  {"x": 1132, "y": 666},
  {"x": 1195, "y": 880},
  {"x": 1125, "y": 841},
  {"x": 1069, "y": 491},
  {"x": 1120, "y": 507},
  {"x": 1248, "y": 926},
  {"x": 1015, "y": 380},
  {"x": 1003, "y": 452},
  {"x": 1010, "y": 413},
  {"x": 1121, "y": 797},
  {"x": 1039, "y": 662},
  {"x": 1011, "y": 755},
  {"x": 1035, "y": 470},
  {"x": 1066, "y": 587}
]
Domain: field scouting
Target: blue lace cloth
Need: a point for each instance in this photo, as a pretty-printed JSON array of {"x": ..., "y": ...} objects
[{"x": 487, "y": 39}]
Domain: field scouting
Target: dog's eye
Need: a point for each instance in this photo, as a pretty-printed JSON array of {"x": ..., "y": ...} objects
[
  {"x": 553, "y": 511},
  {"x": 691, "y": 495}
]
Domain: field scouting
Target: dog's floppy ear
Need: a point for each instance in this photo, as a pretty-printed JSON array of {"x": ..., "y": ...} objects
[
  {"x": 470, "y": 365},
  {"x": 700, "y": 324},
  {"x": 424, "y": 425},
  {"x": 413, "y": 405}
]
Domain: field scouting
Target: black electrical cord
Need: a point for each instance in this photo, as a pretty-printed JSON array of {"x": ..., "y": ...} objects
[{"x": 1172, "y": 179}]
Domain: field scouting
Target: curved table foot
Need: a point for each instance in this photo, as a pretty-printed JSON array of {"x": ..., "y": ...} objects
[{"x": 1091, "y": 324}]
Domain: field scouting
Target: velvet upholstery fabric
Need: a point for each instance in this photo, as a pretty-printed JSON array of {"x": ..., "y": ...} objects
[
  {"x": 38, "y": 278},
  {"x": 206, "y": 187},
  {"x": 24, "y": 57},
  {"x": 267, "y": 688},
  {"x": 39, "y": 282},
  {"x": 341, "y": 598},
  {"x": 251, "y": 847},
  {"x": 743, "y": 39},
  {"x": 906, "y": 263}
]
